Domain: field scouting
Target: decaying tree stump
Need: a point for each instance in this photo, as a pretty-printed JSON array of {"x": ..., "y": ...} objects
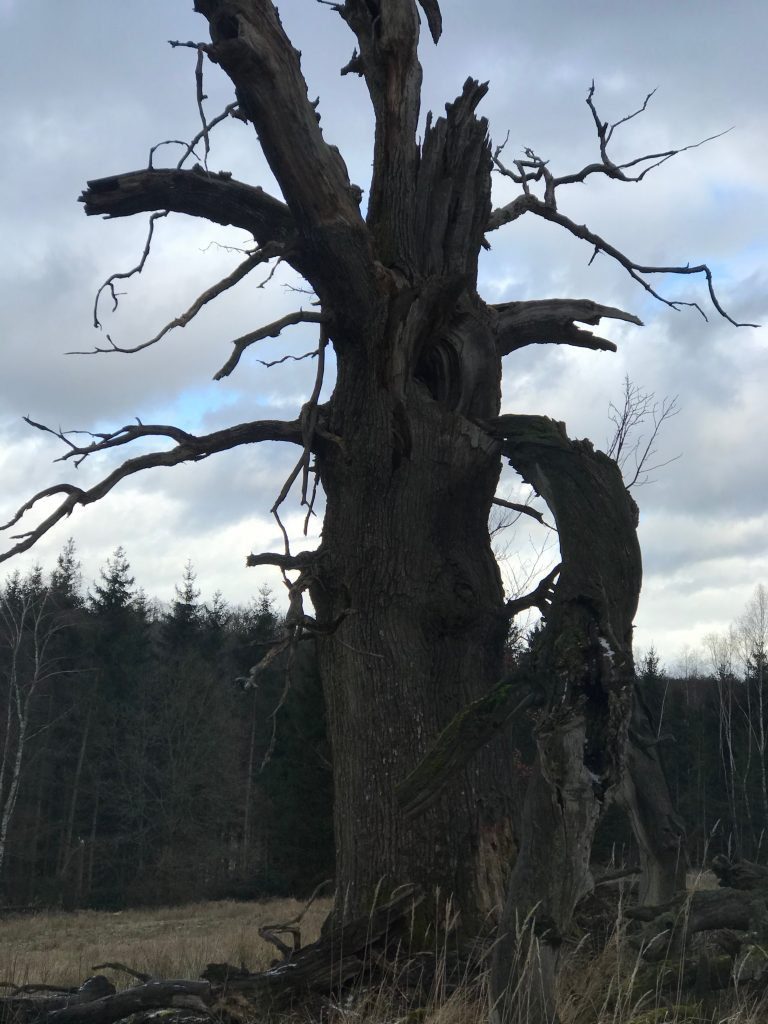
[{"x": 696, "y": 946}]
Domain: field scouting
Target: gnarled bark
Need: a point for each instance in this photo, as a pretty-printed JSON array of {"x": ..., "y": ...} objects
[
  {"x": 583, "y": 660},
  {"x": 406, "y": 549}
]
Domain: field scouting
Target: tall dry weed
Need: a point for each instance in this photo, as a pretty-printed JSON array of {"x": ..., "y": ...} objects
[{"x": 603, "y": 986}]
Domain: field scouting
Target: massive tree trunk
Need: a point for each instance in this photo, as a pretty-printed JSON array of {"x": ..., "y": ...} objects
[{"x": 406, "y": 551}]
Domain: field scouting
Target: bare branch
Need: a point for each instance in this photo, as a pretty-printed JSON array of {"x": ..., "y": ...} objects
[
  {"x": 309, "y": 422},
  {"x": 313, "y": 497},
  {"x": 635, "y": 270},
  {"x": 309, "y": 415},
  {"x": 285, "y": 562},
  {"x": 525, "y": 510},
  {"x": 250, "y": 44},
  {"x": 202, "y": 49},
  {"x": 532, "y": 168},
  {"x": 188, "y": 147},
  {"x": 190, "y": 448},
  {"x": 628, "y": 444},
  {"x": 284, "y": 492},
  {"x": 231, "y": 110},
  {"x": 174, "y": 43},
  {"x": 550, "y": 321},
  {"x": 285, "y": 359},
  {"x": 114, "y": 439},
  {"x": 201, "y": 97},
  {"x": 269, "y": 251},
  {"x": 124, "y": 274},
  {"x": 605, "y": 133},
  {"x": 272, "y": 330}
]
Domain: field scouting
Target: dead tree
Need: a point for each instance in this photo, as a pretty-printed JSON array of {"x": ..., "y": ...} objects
[{"x": 410, "y": 617}]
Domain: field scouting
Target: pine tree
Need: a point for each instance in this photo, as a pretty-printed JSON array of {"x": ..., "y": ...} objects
[
  {"x": 115, "y": 593},
  {"x": 182, "y": 626},
  {"x": 67, "y": 579}
]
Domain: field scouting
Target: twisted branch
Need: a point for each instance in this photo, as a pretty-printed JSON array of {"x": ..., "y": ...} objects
[
  {"x": 254, "y": 259},
  {"x": 272, "y": 330},
  {"x": 189, "y": 448},
  {"x": 531, "y": 168},
  {"x": 125, "y": 274}
]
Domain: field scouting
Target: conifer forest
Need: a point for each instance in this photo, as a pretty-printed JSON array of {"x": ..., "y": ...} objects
[{"x": 138, "y": 767}]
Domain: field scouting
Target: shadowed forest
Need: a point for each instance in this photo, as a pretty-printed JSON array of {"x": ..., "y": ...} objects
[
  {"x": 141, "y": 767},
  {"x": 137, "y": 768}
]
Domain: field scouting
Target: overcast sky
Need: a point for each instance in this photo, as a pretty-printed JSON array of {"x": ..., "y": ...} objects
[{"x": 89, "y": 86}]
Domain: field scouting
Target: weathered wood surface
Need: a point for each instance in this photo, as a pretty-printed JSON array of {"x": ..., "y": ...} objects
[
  {"x": 738, "y": 907},
  {"x": 97, "y": 1002}
]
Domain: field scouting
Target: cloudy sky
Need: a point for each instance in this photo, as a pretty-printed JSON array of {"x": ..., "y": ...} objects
[{"x": 89, "y": 86}]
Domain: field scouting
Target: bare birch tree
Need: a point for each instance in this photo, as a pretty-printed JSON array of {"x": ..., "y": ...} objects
[{"x": 28, "y": 628}]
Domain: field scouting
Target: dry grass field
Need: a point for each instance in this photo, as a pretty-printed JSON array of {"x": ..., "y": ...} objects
[
  {"x": 64, "y": 948},
  {"x": 177, "y": 942},
  {"x": 173, "y": 942}
]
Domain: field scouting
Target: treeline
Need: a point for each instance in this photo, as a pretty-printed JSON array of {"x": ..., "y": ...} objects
[
  {"x": 135, "y": 766},
  {"x": 711, "y": 723},
  {"x": 713, "y": 734}
]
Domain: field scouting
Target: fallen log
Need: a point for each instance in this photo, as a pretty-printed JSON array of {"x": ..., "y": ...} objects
[
  {"x": 347, "y": 952},
  {"x": 154, "y": 995},
  {"x": 740, "y": 874},
  {"x": 344, "y": 953},
  {"x": 740, "y": 906},
  {"x": 30, "y": 1003}
]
